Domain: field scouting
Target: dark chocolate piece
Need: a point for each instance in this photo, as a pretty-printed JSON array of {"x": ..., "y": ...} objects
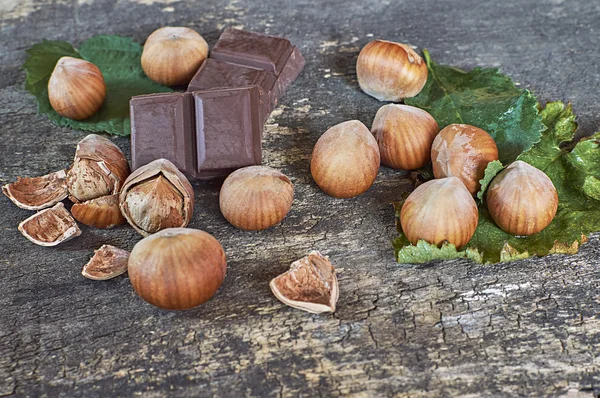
[
  {"x": 215, "y": 74},
  {"x": 228, "y": 130},
  {"x": 162, "y": 126},
  {"x": 291, "y": 70},
  {"x": 255, "y": 50}
]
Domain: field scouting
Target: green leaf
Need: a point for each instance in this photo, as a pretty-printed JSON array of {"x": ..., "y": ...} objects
[
  {"x": 118, "y": 58},
  {"x": 491, "y": 170},
  {"x": 574, "y": 171},
  {"x": 484, "y": 98}
]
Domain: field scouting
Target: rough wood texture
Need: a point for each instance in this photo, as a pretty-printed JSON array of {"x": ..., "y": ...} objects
[{"x": 451, "y": 328}]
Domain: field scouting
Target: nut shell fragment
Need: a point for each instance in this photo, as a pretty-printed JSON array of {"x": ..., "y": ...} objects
[
  {"x": 309, "y": 285},
  {"x": 107, "y": 262},
  {"x": 50, "y": 227},
  {"x": 157, "y": 196},
  {"x": 103, "y": 212},
  {"x": 36, "y": 193}
]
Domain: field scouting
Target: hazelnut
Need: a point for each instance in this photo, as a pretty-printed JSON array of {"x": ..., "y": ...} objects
[
  {"x": 177, "y": 268},
  {"x": 102, "y": 212},
  {"x": 108, "y": 262},
  {"x": 157, "y": 196},
  {"x": 37, "y": 193},
  {"x": 390, "y": 71},
  {"x": 256, "y": 197},
  {"x": 522, "y": 199},
  {"x": 50, "y": 227},
  {"x": 404, "y": 134},
  {"x": 440, "y": 211},
  {"x": 76, "y": 88},
  {"x": 463, "y": 151},
  {"x": 309, "y": 285},
  {"x": 345, "y": 160},
  {"x": 172, "y": 55}
]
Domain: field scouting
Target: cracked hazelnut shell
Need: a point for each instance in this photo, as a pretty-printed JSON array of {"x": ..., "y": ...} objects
[
  {"x": 36, "y": 193},
  {"x": 390, "y": 71},
  {"x": 309, "y": 285},
  {"x": 345, "y": 160},
  {"x": 172, "y": 55},
  {"x": 256, "y": 197},
  {"x": 404, "y": 135},
  {"x": 50, "y": 227},
  {"x": 439, "y": 211},
  {"x": 103, "y": 212},
  {"x": 157, "y": 196},
  {"x": 76, "y": 88},
  {"x": 463, "y": 151},
  {"x": 108, "y": 262},
  {"x": 177, "y": 268},
  {"x": 522, "y": 199}
]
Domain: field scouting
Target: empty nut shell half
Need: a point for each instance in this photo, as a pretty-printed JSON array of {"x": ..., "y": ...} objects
[
  {"x": 99, "y": 169},
  {"x": 256, "y": 197},
  {"x": 50, "y": 227},
  {"x": 36, "y": 193},
  {"x": 310, "y": 284},
  {"x": 107, "y": 262},
  {"x": 157, "y": 196},
  {"x": 103, "y": 212}
]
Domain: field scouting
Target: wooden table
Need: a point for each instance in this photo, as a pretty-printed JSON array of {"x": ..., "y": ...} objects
[{"x": 447, "y": 328}]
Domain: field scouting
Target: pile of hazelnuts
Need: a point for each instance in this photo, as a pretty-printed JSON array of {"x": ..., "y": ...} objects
[{"x": 521, "y": 199}]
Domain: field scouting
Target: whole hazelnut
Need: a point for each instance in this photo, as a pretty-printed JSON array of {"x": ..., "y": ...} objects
[
  {"x": 177, "y": 268},
  {"x": 390, "y": 71},
  {"x": 157, "y": 196},
  {"x": 463, "y": 151},
  {"x": 345, "y": 160},
  {"x": 440, "y": 211},
  {"x": 404, "y": 134},
  {"x": 76, "y": 88},
  {"x": 522, "y": 199},
  {"x": 172, "y": 55},
  {"x": 256, "y": 197}
]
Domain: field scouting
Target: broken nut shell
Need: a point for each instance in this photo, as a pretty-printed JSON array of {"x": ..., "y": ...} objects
[
  {"x": 310, "y": 284},
  {"x": 107, "y": 262},
  {"x": 50, "y": 227},
  {"x": 36, "y": 193},
  {"x": 103, "y": 212}
]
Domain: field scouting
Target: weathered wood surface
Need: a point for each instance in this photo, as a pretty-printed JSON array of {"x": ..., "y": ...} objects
[{"x": 448, "y": 328}]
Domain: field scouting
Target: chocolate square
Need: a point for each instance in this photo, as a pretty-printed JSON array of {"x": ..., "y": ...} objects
[
  {"x": 162, "y": 126},
  {"x": 254, "y": 50},
  {"x": 228, "y": 130}
]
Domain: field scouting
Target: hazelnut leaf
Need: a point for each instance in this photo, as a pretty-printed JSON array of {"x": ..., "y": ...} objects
[
  {"x": 118, "y": 58},
  {"x": 491, "y": 170}
]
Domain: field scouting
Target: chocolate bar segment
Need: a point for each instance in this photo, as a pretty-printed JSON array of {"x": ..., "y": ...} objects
[
  {"x": 254, "y": 50},
  {"x": 291, "y": 70},
  {"x": 162, "y": 126},
  {"x": 228, "y": 130}
]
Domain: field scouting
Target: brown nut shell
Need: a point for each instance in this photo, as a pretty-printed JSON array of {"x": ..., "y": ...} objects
[
  {"x": 522, "y": 199},
  {"x": 76, "y": 88},
  {"x": 404, "y": 134},
  {"x": 256, "y": 197},
  {"x": 108, "y": 262},
  {"x": 463, "y": 151},
  {"x": 36, "y": 193},
  {"x": 390, "y": 71},
  {"x": 310, "y": 284},
  {"x": 99, "y": 169},
  {"x": 157, "y": 196},
  {"x": 345, "y": 160},
  {"x": 103, "y": 212},
  {"x": 440, "y": 211},
  {"x": 50, "y": 227},
  {"x": 172, "y": 55},
  {"x": 177, "y": 268}
]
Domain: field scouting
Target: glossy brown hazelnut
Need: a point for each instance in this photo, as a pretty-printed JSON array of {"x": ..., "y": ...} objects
[
  {"x": 522, "y": 199},
  {"x": 390, "y": 71},
  {"x": 102, "y": 212},
  {"x": 177, "y": 268},
  {"x": 404, "y": 134},
  {"x": 463, "y": 151},
  {"x": 345, "y": 160},
  {"x": 256, "y": 197},
  {"x": 440, "y": 211}
]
